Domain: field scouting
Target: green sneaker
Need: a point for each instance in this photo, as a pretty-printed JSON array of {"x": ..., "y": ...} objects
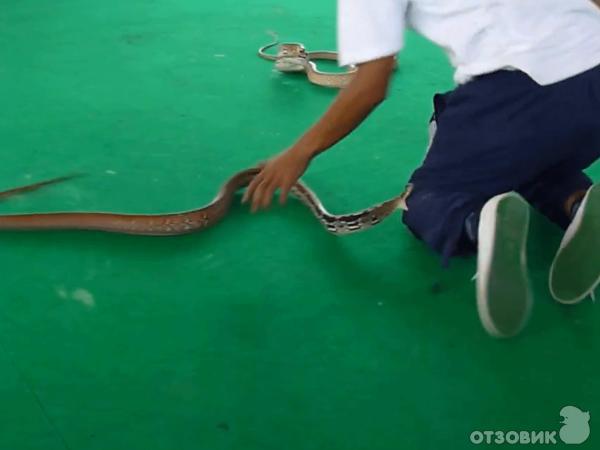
[
  {"x": 503, "y": 294},
  {"x": 575, "y": 271}
]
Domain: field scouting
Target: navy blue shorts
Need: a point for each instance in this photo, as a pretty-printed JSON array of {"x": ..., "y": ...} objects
[{"x": 504, "y": 132}]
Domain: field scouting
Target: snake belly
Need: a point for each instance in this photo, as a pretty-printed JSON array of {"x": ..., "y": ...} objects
[{"x": 179, "y": 223}]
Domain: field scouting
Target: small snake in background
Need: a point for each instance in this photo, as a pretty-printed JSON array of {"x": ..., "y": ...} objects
[
  {"x": 293, "y": 57},
  {"x": 179, "y": 223}
]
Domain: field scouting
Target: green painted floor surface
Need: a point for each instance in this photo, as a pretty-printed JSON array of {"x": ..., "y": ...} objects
[{"x": 264, "y": 333}]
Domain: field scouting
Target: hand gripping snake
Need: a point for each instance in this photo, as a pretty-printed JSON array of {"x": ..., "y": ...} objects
[{"x": 191, "y": 221}]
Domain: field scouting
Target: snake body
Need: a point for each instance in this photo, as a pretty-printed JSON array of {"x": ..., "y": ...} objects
[
  {"x": 293, "y": 57},
  {"x": 191, "y": 221}
]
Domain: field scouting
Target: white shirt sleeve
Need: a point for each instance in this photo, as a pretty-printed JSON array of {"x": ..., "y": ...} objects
[{"x": 370, "y": 29}]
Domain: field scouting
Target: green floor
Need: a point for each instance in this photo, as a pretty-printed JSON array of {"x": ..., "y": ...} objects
[{"x": 265, "y": 333}]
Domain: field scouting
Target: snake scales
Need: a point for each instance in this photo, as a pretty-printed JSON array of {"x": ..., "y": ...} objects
[{"x": 190, "y": 221}]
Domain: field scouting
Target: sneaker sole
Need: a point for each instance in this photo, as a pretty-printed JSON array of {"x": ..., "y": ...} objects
[
  {"x": 575, "y": 271},
  {"x": 504, "y": 298}
]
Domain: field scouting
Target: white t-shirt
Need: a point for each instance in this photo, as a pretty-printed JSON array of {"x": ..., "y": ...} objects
[{"x": 550, "y": 40}]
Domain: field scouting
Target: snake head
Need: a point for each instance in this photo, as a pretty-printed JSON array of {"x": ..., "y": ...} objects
[{"x": 291, "y": 57}]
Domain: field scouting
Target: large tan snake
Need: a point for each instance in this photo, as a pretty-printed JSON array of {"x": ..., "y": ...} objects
[{"x": 190, "y": 221}]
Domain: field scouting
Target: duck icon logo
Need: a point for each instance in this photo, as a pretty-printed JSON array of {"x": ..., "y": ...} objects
[{"x": 576, "y": 428}]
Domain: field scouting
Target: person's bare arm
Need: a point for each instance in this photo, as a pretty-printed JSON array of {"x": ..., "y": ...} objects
[
  {"x": 353, "y": 104},
  {"x": 350, "y": 108},
  {"x": 597, "y": 2}
]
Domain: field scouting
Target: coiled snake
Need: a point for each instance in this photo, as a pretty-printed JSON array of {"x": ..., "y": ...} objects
[
  {"x": 293, "y": 57},
  {"x": 190, "y": 221}
]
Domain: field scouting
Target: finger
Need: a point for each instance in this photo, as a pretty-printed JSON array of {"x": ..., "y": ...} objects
[
  {"x": 252, "y": 187},
  {"x": 263, "y": 200},
  {"x": 267, "y": 197},
  {"x": 283, "y": 194},
  {"x": 257, "y": 196}
]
